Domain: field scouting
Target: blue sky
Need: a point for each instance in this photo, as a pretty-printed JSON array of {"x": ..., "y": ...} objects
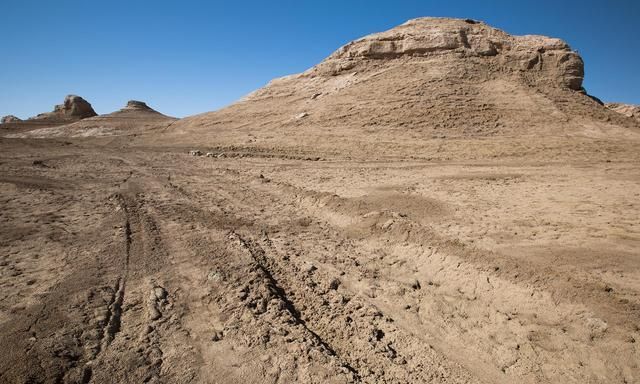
[{"x": 186, "y": 57}]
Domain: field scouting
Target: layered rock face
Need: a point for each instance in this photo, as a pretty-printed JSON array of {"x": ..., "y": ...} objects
[{"x": 550, "y": 58}]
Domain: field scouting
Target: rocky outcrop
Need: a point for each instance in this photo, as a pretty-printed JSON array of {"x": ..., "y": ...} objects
[
  {"x": 72, "y": 109},
  {"x": 135, "y": 105},
  {"x": 10, "y": 119},
  {"x": 628, "y": 110},
  {"x": 550, "y": 59}
]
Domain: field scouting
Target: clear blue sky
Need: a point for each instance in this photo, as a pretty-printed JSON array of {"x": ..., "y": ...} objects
[{"x": 186, "y": 57}]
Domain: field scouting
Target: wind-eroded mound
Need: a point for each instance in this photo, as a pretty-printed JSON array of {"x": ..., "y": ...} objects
[
  {"x": 10, "y": 119},
  {"x": 403, "y": 90},
  {"x": 136, "y": 117},
  {"x": 72, "y": 109}
]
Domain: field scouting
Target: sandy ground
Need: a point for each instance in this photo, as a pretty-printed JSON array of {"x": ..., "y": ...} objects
[{"x": 144, "y": 264}]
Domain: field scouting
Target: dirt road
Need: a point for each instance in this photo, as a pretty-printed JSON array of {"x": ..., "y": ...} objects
[{"x": 134, "y": 265}]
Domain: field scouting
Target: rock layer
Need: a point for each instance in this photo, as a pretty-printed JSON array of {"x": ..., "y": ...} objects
[{"x": 550, "y": 58}]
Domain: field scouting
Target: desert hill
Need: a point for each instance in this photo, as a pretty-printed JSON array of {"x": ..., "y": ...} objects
[
  {"x": 134, "y": 118},
  {"x": 411, "y": 88}
]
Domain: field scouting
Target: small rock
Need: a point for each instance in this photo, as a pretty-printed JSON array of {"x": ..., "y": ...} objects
[
  {"x": 154, "y": 313},
  {"x": 387, "y": 224},
  {"x": 159, "y": 293},
  {"x": 217, "y": 336},
  {"x": 376, "y": 335}
]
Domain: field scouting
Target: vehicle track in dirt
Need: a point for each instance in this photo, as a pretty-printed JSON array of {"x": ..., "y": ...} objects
[{"x": 172, "y": 268}]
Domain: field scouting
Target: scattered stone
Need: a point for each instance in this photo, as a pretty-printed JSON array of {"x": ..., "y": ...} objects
[
  {"x": 217, "y": 336},
  {"x": 597, "y": 327},
  {"x": 387, "y": 224},
  {"x": 376, "y": 335},
  {"x": 309, "y": 268},
  {"x": 334, "y": 284},
  {"x": 160, "y": 293}
]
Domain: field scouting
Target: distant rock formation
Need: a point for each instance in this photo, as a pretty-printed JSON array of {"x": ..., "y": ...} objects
[
  {"x": 10, "y": 119},
  {"x": 136, "y": 105},
  {"x": 135, "y": 117},
  {"x": 72, "y": 109},
  {"x": 628, "y": 110}
]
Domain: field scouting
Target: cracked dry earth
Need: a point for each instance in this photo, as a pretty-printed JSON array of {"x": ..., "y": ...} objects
[{"x": 146, "y": 265}]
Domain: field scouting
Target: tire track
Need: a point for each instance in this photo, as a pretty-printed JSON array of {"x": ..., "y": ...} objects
[
  {"x": 264, "y": 265},
  {"x": 114, "y": 315}
]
